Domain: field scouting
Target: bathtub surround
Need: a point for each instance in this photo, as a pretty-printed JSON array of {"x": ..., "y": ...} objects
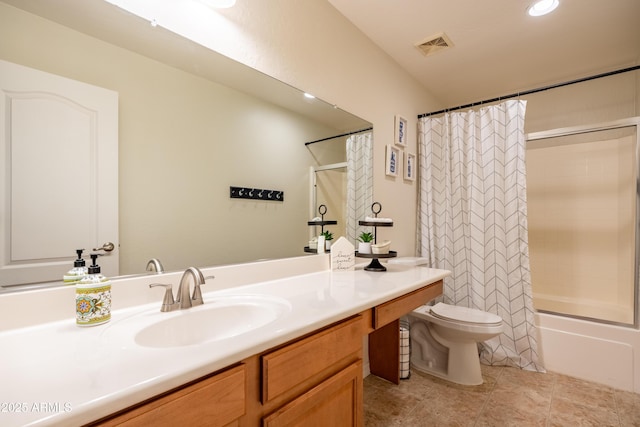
[
  {"x": 472, "y": 221},
  {"x": 582, "y": 197}
]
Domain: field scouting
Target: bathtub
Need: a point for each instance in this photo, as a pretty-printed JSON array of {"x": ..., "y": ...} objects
[{"x": 602, "y": 353}]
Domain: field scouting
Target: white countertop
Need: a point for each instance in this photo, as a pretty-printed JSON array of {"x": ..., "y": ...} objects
[{"x": 60, "y": 374}]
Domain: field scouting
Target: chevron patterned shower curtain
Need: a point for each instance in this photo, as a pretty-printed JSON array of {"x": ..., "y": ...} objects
[
  {"x": 359, "y": 182},
  {"x": 472, "y": 220}
]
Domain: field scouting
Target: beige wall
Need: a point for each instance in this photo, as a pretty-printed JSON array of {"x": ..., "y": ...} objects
[
  {"x": 596, "y": 101},
  {"x": 177, "y": 132}
]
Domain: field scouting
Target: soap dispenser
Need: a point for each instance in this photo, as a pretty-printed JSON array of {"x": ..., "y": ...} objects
[
  {"x": 93, "y": 297},
  {"x": 78, "y": 271}
]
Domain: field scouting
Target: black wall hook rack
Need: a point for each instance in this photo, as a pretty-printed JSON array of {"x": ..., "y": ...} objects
[{"x": 256, "y": 194}]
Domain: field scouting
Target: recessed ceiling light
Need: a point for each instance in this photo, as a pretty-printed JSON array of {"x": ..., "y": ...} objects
[
  {"x": 219, "y": 4},
  {"x": 542, "y": 7},
  {"x": 309, "y": 96}
]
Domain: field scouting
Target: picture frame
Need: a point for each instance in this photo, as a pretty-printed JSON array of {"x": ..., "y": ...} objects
[
  {"x": 410, "y": 166},
  {"x": 400, "y": 130},
  {"x": 392, "y": 162}
]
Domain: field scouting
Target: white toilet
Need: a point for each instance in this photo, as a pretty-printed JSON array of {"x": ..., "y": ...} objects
[{"x": 444, "y": 341}]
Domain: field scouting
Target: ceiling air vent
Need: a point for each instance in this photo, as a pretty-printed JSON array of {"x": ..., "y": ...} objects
[{"x": 434, "y": 44}]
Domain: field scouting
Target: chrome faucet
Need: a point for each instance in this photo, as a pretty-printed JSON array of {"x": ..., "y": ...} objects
[
  {"x": 183, "y": 298},
  {"x": 154, "y": 264}
]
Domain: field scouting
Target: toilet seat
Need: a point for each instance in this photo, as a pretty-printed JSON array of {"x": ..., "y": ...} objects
[{"x": 465, "y": 315}]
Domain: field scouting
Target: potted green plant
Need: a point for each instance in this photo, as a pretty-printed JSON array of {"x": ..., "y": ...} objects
[
  {"x": 364, "y": 245},
  {"x": 328, "y": 237}
]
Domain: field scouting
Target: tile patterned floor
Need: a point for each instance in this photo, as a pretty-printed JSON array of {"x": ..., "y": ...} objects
[{"x": 509, "y": 397}]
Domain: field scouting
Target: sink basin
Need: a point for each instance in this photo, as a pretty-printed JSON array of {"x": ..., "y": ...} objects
[{"x": 217, "y": 319}]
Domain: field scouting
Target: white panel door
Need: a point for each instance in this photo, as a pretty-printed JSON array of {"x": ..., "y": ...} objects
[{"x": 59, "y": 179}]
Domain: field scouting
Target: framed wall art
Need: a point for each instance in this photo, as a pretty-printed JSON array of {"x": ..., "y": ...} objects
[
  {"x": 410, "y": 166},
  {"x": 392, "y": 160},
  {"x": 401, "y": 131}
]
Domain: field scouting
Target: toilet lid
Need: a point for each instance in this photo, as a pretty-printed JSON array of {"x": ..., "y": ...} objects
[{"x": 464, "y": 314}]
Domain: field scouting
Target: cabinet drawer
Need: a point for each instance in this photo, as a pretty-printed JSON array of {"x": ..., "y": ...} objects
[
  {"x": 214, "y": 401},
  {"x": 396, "y": 308},
  {"x": 334, "y": 402},
  {"x": 285, "y": 368}
]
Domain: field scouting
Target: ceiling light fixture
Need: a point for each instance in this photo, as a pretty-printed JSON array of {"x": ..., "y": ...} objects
[
  {"x": 309, "y": 96},
  {"x": 219, "y": 4},
  {"x": 542, "y": 7}
]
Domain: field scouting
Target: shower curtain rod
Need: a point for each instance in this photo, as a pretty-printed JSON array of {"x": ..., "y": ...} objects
[
  {"x": 338, "y": 136},
  {"x": 528, "y": 92}
]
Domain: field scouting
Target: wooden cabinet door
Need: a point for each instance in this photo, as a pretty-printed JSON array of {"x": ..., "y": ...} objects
[
  {"x": 335, "y": 402},
  {"x": 215, "y": 401}
]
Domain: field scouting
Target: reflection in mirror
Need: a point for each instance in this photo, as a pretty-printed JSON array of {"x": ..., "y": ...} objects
[
  {"x": 330, "y": 189},
  {"x": 192, "y": 123}
]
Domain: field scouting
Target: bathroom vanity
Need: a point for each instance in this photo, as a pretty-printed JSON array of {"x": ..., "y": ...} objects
[{"x": 304, "y": 365}]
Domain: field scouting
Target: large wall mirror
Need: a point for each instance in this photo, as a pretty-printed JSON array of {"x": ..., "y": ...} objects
[{"x": 192, "y": 124}]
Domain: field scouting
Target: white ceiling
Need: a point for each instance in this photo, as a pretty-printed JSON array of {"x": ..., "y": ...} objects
[{"x": 497, "y": 48}]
